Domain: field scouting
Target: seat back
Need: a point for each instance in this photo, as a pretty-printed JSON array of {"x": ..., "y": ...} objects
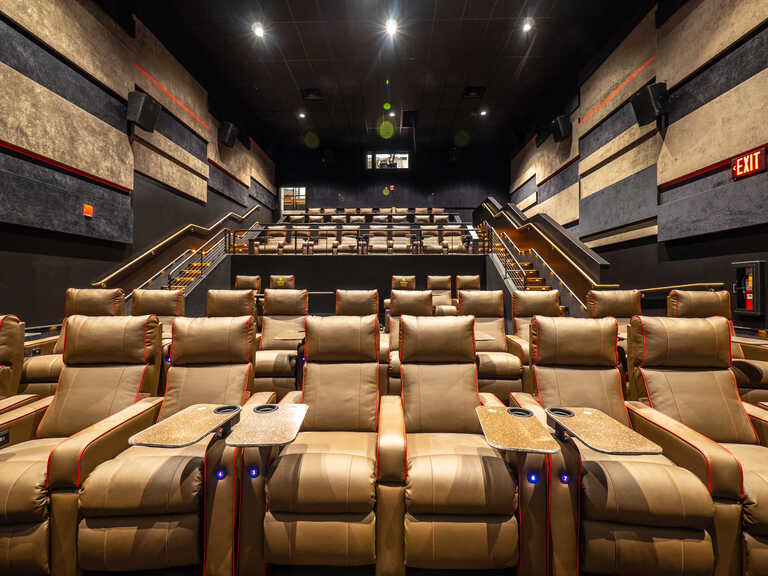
[
  {"x": 327, "y": 233},
  {"x": 403, "y": 282},
  {"x": 226, "y": 303},
  {"x": 487, "y": 306},
  {"x": 350, "y": 232},
  {"x": 358, "y": 219},
  {"x": 401, "y": 233},
  {"x": 441, "y": 290},
  {"x": 698, "y": 304},
  {"x": 411, "y": 302},
  {"x": 439, "y": 374},
  {"x": 339, "y": 219},
  {"x": 248, "y": 283},
  {"x": 211, "y": 362},
  {"x": 437, "y": 210},
  {"x": 340, "y": 383},
  {"x": 440, "y": 218},
  {"x": 11, "y": 354},
  {"x": 315, "y": 211},
  {"x": 165, "y": 304},
  {"x": 357, "y": 302},
  {"x": 91, "y": 302},
  {"x": 399, "y": 218},
  {"x": 378, "y": 232},
  {"x": 468, "y": 282},
  {"x": 421, "y": 210},
  {"x": 380, "y": 218},
  {"x": 621, "y": 304},
  {"x": 527, "y": 304},
  {"x": 421, "y": 219},
  {"x": 400, "y": 210},
  {"x": 275, "y": 233},
  {"x": 574, "y": 364},
  {"x": 349, "y": 211},
  {"x": 282, "y": 281},
  {"x": 107, "y": 362},
  {"x": 284, "y": 311},
  {"x": 683, "y": 366}
]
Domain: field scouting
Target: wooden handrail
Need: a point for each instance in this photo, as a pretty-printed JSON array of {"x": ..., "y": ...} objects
[
  {"x": 169, "y": 240},
  {"x": 682, "y": 286}
]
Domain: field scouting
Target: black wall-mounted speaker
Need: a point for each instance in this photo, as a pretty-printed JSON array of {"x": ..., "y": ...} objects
[
  {"x": 650, "y": 102},
  {"x": 227, "y": 134},
  {"x": 143, "y": 110},
  {"x": 561, "y": 128}
]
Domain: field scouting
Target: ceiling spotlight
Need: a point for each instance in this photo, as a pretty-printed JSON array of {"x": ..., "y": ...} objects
[
  {"x": 391, "y": 114},
  {"x": 258, "y": 29},
  {"x": 391, "y": 26},
  {"x": 483, "y": 112},
  {"x": 527, "y": 24},
  {"x": 302, "y": 115}
]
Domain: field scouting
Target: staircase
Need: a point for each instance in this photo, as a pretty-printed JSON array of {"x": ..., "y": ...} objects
[
  {"x": 532, "y": 279},
  {"x": 188, "y": 275}
]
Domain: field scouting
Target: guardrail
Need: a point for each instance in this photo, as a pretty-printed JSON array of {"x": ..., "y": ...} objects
[{"x": 503, "y": 249}]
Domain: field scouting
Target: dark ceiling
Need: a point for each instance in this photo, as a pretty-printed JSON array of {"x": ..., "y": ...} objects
[{"x": 340, "y": 48}]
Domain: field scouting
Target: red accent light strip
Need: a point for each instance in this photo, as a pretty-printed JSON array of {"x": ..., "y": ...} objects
[
  {"x": 66, "y": 167},
  {"x": 619, "y": 89},
  {"x": 172, "y": 97}
]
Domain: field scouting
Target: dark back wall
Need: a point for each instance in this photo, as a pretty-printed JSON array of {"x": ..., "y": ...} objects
[{"x": 338, "y": 178}]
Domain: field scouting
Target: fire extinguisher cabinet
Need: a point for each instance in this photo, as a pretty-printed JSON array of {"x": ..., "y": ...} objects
[{"x": 748, "y": 289}]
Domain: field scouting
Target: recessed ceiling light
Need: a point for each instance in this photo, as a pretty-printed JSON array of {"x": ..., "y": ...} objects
[
  {"x": 391, "y": 26},
  {"x": 258, "y": 29},
  {"x": 302, "y": 115},
  {"x": 527, "y": 24},
  {"x": 392, "y": 114},
  {"x": 483, "y": 112}
]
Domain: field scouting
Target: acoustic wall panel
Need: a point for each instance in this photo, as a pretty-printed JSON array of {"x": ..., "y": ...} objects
[
  {"x": 730, "y": 124},
  {"x": 641, "y": 230},
  {"x": 700, "y": 31},
  {"x": 614, "y": 148},
  {"x": 37, "y": 120},
  {"x": 619, "y": 121},
  {"x": 527, "y": 190},
  {"x": 527, "y": 202},
  {"x": 552, "y": 156},
  {"x": 77, "y": 31},
  {"x": 562, "y": 207},
  {"x": 639, "y": 157},
  {"x": 169, "y": 172},
  {"x": 559, "y": 182},
  {"x": 262, "y": 195},
  {"x": 180, "y": 134},
  {"x": 224, "y": 184},
  {"x": 165, "y": 147}
]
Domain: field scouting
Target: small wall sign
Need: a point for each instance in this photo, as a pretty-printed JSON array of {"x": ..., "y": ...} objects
[{"x": 748, "y": 164}]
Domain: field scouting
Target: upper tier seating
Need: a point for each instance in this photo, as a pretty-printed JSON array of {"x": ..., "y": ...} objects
[
  {"x": 165, "y": 304},
  {"x": 155, "y": 499},
  {"x": 282, "y": 281},
  {"x": 636, "y": 514},
  {"x": 695, "y": 414},
  {"x": 402, "y": 243},
  {"x": 461, "y": 497},
  {"x": 327, "y": 240},
  {"x": 430, "y": 241},
  {"x": 470, "y": 282},
  {"x": 751, "y": 374},
  {"x": 230, "y": 303},
  {"x": 300, "y": 241},
  {"x": 54, "y": 443},
  {"x": 276, "y": 347},
  {"x": 378, "y": 240},
  {"x": 321, "y": 501},
  {"x": 499, "y": 371},
  {"x": 349, "y": 240},
  {"x": 11, "y": 359},
  {"x": 276, "y": 239},
  {"x": 41, "y": 373},
  {"x": 454, "y": 240},
  {"x": 412, "y": 303}
]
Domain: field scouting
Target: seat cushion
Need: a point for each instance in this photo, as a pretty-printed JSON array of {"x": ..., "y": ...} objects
[
  {"x": 645, "y": 490},
  {"x": 325, "y": 473},
  {"x": 144, "y": 481},
  {"x": 457, "y": 474},
  {"x": 23, "y": 469},
  {"x": 754, "y": 463},
  {"x": 45, "y": 368},
  {"x": 274, "y": 363},
  {"x": 498, "y": 365}
]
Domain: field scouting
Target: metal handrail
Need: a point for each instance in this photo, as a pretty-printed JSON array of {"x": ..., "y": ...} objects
[
  {"x": 504, "y": 253},
  {"x": 707, "y": 285},
  {"x": 557, "y": 277}
]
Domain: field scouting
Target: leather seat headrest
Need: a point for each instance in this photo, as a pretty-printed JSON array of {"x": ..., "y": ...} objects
[
  {"x": 616, "y": 303},
  {"x": 357, "y": 302},
  {"x": 111, "y": 339},
  {"x": 282, "y": 281},
  {"x": 415, "y": 302},
  {"x": 342, "y": 339},
  {"x": 682, "y": 342},
  {"x": 437, "y": 339},
  {"x": 482, "y": 303},
  {"x": 248, "y": 283},
  {"x": 468, "y": 282},
  {"x": 212, "y": 340},
  {"x": 285, "y": 302},
  {"x": 230, "y": 303},
  {"x": 574, "y": 341},
  {"x": 160, "y": 302},
  {"x": 403, "y": 282},
  {"x": 531, "y": 303},
  {"x": 94, "y": 302},
  {"x": 438, "y": 282},
  {"x": 698, "y": 304}
]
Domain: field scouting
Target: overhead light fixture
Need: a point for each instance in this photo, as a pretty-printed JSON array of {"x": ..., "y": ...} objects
[
  {"x": 527, "y": 24},
  {"x": 258, "y": 29},
  {"x": 483, "y": 112},
  {"x": 391, "y": 26},
  {"x": 302, "y": 115},
  {"x": 392, "y": 114}
]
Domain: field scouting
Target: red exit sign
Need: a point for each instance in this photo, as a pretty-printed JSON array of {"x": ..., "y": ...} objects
[{"x": 748, "y": 164}]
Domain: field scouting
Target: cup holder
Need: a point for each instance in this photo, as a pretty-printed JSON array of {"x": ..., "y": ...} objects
[
  {"x": 519, "y": 412},
  {"x": 265, "y": 408},
  {"x": 561, "y": 412},
  {"x": 226, "y": 409}
]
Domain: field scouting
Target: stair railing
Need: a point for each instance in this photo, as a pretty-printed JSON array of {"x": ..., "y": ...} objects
[
  {"x": 204, "y": 259},
  {"x": 558, "y": 278},
  {"x": 502, "y": 249}
]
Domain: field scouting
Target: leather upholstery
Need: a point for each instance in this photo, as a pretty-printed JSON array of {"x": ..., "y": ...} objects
[
  {"x": 226, "y": 340},
  {"x": 533, "y": 303},
  {"x": 230, "y": 303},
  {"x": 342, "y": 339},
  {"x": 11, "y": 354},
  {"x": 110, "y": 340},
  {"x": 357, "y": 302},
  {"x": 440, "y": 339},
  {"x": 468, "y": 282},
  {"x": 94, "y": 302},
  {"x": 754, "y": 463},
  {"x": 617, "y": 303},
  {"x": 403, "y": 282},
  {"x": 414, "y": 302},
  {"x": 482, "y": 303},
  {"x": 698, "y": 304},
  {"x": 680, "y": 342},
  {"x": 248, "y": 283},
  {"x": 282, "y": 281},
  {"x": 285, "y": 302},
  {"x": 349, "y": 239},
  {"x": 441, "y": 290},
  {"x": 159, "y": 302},
  {"x": 574, "y": 341}
]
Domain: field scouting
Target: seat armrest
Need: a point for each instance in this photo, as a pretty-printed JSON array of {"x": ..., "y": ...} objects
[
  {"x": 488, "y": 399},
  {"x": 257, "y": 341},
  {"x": 715, "y": 466},
  {"x": 755, "y": 371},
  {"x": 525, "y": 400},
  {"x": 759, "y": 418},
  {"x": 519, "y": 347},
  {"x": 20, "y": 424},
  {"x": 391, "y": 440},
  {"x": 293, "y": 397},
  {"x": 17, "y": 401},
  {"x": 259, "y": 398},
  {"x": 71, "y": 461}
]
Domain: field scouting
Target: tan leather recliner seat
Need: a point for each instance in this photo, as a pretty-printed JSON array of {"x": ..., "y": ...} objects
[
  {"x": 453, "y": 239},
  {"x": 441, "y": 290},
  {"x": 499, "y": 371},
  {"x": 41, "y": 373},
  {"x": 413, "y": 303},
  {"x": 638, "y": 514},
  {"x": 619, "y": 304},
  {"x": 145, "y": 509},
  {"x": 349, "y": 240},
  {"x": 275, "y": 241},
  {"x": 230, "y": 303},
  {"x": 11, "y": 360},
  {"x": 460, "y": 496},
  {"x": 282, "y": 281},
  {"x": 430, "y": 240},
  {"x": 54, "y": 443},
  {"x": 401, "y": 240},
  {"x": 400, "y": 282},
  {"x": 421, "y": 219},
  {"x": 468, "y": 282},
  {"x": 248, "y": 283},
  {"x": 364, "y": 303},
  {"x": 300, "y": 241},
  {"x": 378, "y": 239},
  {"x": 165, "y": 304},
  {"x": 321, "y": 490},
  {"x": 327, "y": 240},
  {"x": 685, "y": 369},
  {"x": 751, "y": 373},
  {"x": 275, "y": 360}
]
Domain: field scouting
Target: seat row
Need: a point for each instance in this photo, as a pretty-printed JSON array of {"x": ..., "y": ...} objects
[
  {"x": 395, "y": 482},
  {"x": 363, "y": 215}
]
